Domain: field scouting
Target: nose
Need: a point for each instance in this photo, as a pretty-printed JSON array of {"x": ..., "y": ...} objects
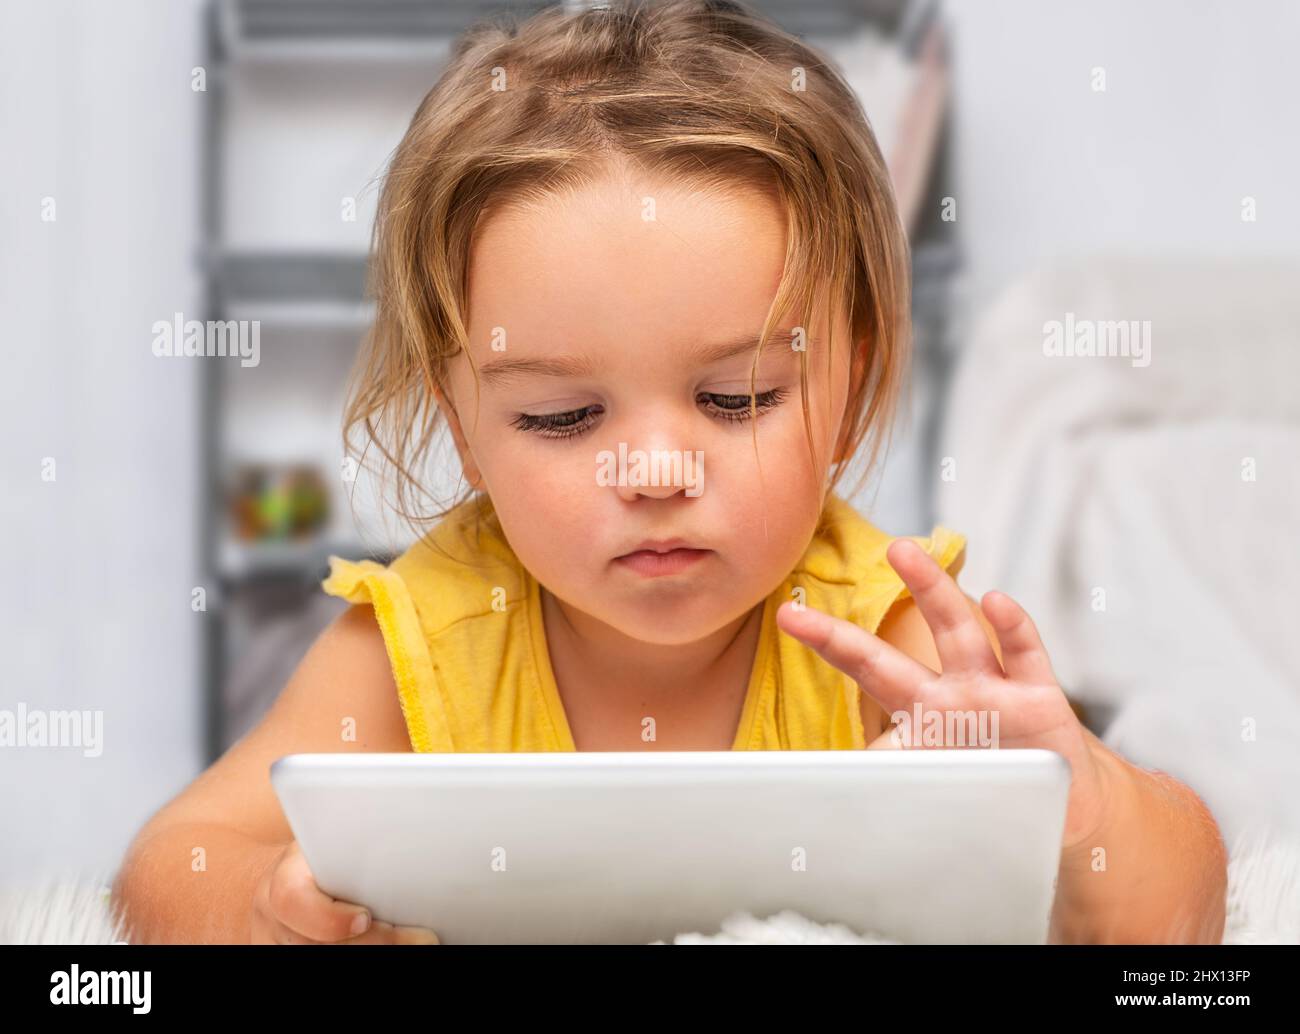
[
  {"x": 631, "y": 492},
  {"x": 656, "y": 464}
]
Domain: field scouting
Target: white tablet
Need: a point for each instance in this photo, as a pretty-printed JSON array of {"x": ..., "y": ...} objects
[{"x": 921, "y": 846}]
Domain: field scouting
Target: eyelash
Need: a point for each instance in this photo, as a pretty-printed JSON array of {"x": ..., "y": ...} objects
[{"x": 577, "y": 421}]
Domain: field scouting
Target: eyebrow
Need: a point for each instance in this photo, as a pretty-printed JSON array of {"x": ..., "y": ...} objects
[{"x": 498, "y": 371}]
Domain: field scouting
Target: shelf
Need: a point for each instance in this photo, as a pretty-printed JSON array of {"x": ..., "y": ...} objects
[
  {"x": 391, "y": 31},
  {"x": 241, "y": 562},
  {"x": 310, "y": 289},
  {"x": 278, "y": 276},
  {"x": 307, "y": 314},
  {"x": 354, "y": 23}
]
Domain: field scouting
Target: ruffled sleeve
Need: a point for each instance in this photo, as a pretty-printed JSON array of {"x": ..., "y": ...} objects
[{"x": 364, "y": 581}]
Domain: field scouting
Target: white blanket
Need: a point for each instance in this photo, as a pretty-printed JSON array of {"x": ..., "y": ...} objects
[{"x": 1148, "y": 517}]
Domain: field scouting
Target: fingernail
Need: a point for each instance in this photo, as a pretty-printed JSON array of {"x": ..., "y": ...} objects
[{"x": 361, "y": 923}]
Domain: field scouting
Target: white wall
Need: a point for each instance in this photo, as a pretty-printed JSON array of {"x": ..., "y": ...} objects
[
  {"x": 1198, "y": 111},
  {"x": 99, "y": 115}
]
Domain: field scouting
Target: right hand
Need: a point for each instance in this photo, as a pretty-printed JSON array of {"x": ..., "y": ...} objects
[{"x": 288, "y": 908}]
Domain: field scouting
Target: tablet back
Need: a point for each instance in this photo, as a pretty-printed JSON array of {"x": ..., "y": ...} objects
[{"x": 922, "y": 846}]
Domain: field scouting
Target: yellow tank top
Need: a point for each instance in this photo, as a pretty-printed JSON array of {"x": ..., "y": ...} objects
[{"x": 467, "y": 641}]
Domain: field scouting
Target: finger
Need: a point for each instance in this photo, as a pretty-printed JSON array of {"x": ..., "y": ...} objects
[
  {"x": 386, "y": 933},
  {"x": 281, "y": 934},
  {"x": 961, "y": 642},
  {"x": 883, "y": 672},
  {"x": 1023, "y": 655},
  {"x": 415, "y": 935},
  {"x": 284, "y": 935},
  {"x": 303, "y": 907}
]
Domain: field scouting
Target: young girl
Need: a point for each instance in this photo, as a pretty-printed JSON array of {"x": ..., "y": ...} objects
[{"x": 646, "y": 264}]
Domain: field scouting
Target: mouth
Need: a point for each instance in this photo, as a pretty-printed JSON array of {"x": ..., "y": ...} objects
[{"x": 651, "y": 559}]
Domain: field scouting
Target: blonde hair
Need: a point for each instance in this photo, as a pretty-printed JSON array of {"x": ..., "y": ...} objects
[{"x": 707, "y": 91}]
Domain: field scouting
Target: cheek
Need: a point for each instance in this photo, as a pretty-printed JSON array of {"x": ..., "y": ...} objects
[
  {"x": 771, "y": 500},
  {"x": 782, "y": 463},
  {"x": 545, "y": 518},
  {"x": 522, "y": 466}
]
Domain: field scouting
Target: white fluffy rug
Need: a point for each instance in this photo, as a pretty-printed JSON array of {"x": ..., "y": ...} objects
[{"x": 1263, "y": 908}]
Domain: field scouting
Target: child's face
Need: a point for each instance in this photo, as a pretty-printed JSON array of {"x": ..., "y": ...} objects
[{"x": 588, "y": 278}]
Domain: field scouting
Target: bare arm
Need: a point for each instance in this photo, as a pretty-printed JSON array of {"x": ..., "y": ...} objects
[
  {"x": 190, "y": 873},
  {"x": 1156, "y": 873}
]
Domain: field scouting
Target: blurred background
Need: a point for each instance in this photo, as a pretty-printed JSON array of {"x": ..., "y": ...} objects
[{"x": 1059, "y": 164}]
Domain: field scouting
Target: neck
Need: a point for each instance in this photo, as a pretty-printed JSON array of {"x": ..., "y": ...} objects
[{"x": 592, "y": 653}]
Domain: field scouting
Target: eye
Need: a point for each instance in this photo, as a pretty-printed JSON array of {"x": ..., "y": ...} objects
[
  {"x": 570, "y": 424},
  {"x": 737, "y": 407},
  {"x": 558, "y": 425}
]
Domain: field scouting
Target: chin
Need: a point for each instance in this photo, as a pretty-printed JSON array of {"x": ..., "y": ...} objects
[{"x": 670, "y": 622}]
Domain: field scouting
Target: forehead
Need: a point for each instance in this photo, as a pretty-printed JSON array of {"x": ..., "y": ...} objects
[{"x": 644, "y": 264}]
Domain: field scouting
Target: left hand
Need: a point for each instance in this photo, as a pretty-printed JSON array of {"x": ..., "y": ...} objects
[{"x": 1031, "y": 709}]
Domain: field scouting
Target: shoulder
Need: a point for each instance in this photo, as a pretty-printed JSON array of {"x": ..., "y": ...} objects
[
  {"x": 850, "y": 552},
  {"x": 849, "y": 558},
  {"x": 346, "y": 674},
  {"x": 906, "y": 629}
]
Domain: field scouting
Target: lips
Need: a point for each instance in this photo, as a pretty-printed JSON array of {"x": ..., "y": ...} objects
[
  {"x": 658, "y": 546},
  {"x": 655, "y": 557}
]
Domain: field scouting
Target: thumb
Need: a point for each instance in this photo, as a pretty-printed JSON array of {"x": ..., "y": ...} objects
[{"x": 886, "y": 740}]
